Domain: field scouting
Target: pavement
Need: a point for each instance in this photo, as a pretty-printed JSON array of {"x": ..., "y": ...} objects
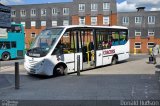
[{"x": 132, "y": 80}]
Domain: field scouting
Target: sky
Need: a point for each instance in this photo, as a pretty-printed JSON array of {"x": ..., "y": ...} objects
[{"x": 122, "y": 5}]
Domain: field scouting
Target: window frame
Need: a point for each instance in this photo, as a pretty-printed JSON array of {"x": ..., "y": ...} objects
[
  {"x": 23, "y": 13},
  {"x": 140, "y": 33},
  {"x": 33, "y": 33},
  {"x": 23, "y": 23},
  {"x": 150, "y": 45},
  {"x": 54, "y": 11},
  {"x": 104, "y": 22},
  {"x": 43, "y": 12},
  {"x": 33, "y": 12},
  {"x": 65, "y": 21},
  {"x": 106, "y": 6},
  {"x": 125, "y": 20},
  {"x": 138, "y": 20},
  {"x": 149, "y": 32},
  {"x": 80, "y": 20},
  {"x": 53, "y": 24},
  {"x": 92, "y": 22},
  {"x": 33, "y": 23},
  {"x": 43, "y": 23},
  {"x": 65, "y": 11},
  {"x": 140, "y": 46},
  {"x": 151, "y": 19},
  {"x": 94, "y": 7},
  {"x": 82, "y": 7},
  {"x": 13, "y": 13}
]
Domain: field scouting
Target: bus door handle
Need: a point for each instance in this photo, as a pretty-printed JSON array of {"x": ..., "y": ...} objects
[{"x": 99, "y": 54}]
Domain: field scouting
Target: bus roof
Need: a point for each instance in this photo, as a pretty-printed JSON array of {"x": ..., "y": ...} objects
[{"x": 88, "y": 26}]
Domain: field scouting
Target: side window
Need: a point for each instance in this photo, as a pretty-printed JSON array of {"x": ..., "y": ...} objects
[
  {"x": 99, "y": 39},
  {"x": 115, "y": 38},
  {"x": 13, "y": 44},
  {"x": 106, "y": 40},
  {"x": 4, "y": 45},
  {"x": 123, "y": 37},
  {"x": 66, "y": 44},
  {"x": 103, "y": 39}
]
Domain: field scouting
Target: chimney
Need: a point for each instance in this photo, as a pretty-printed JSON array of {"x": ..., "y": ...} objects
[{"x": 140, "y": 9}]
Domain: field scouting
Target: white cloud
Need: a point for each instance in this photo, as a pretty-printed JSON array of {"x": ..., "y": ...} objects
[
  {"x": 6, "y": 2},
  {"x": 155, "y": 9},
  {"x": 131, "y": 5},
  {"x": 124, "y": 6}
]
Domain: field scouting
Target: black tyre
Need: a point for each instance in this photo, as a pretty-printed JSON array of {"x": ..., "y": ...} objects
[
  {"x": 114, "y": 60},
  {"x": 5, "y": 56},
  {"x": 60, "y": 70}
]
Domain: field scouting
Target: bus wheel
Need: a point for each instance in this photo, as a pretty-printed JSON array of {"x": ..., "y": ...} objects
[
  {"x": 60, "y": 70},
  {"x": 114, "y": 60},
  {"x": 5, "y": 56}
]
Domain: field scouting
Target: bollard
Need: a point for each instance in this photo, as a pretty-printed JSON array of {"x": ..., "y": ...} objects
[
  {"x": 78, "y": 65},
  {"x": 135, "y": 51},
  {"x": 17, "y": 75},
  {"x": 150, "y": 51}
]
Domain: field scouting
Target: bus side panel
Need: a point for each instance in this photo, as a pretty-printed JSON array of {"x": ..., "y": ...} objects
[
  {"x": 107, "y": 59},
  {"x": 69, "y": 60},
  {"x": 99, "y": 58},
  {"x": 122, "y": 51}
]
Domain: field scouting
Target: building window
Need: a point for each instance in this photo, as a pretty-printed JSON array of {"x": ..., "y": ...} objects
[
  {"x": 150, "y": 45},
  {"x": 43, "y": 12},
  {"x": 33, "y": 35},
  {"x": 137, "y": 45},
  {"x": 106, "y": 20},
  {"x": 13, "y": 13},
  {"x": 151, "y": 32},
  {"x": 125, "y": 20},
  {"x": 106, "y": 6},
  {"x": 82, "y": 7},
  {"x": 33, "y": 23},
  {"x": 94, "y": 7},
  {"x": 33, "y": 12},
  {"x": 138, "y": 20},
  {"x": 23, "y": 23},
  {"x": 93, "y": 20},
  {"x": 137, "y": 32},
  {"x": 151, "y": 19},
  {"x": 54, "y": 23},
  {"x": 65, "y": 22},
  {"x": 65, "y": 11},
  {"x": 23, "y": 13},
  {"x": 54, "y": 11},
  {"x": 43, "y": 23},
  {"x": 81, "y": 20}
]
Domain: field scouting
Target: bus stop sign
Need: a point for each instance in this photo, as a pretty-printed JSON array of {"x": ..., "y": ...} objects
[{"x": 5, "y": 16}]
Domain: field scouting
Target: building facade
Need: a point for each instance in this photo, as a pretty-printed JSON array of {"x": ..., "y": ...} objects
[
  {"x": 144, "y": 28},
  {"x": 36, "y": 17}
]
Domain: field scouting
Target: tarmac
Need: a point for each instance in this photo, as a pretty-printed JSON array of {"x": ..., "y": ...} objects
[{"x": 133, "y": 80}]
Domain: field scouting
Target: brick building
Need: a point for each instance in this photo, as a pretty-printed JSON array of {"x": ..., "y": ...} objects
[
  {"x": 35, "y": 17},
  {"x": 144, "y": 28}
]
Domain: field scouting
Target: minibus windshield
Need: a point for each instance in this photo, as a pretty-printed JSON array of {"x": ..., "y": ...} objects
[{"x": 44, "y": 42}]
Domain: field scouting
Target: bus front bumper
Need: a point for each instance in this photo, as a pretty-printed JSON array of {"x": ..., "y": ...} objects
[{"x": 38, "y": 68}]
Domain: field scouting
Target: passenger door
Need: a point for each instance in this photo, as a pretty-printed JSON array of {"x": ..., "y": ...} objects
[{"x": 99, "y": 48}]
